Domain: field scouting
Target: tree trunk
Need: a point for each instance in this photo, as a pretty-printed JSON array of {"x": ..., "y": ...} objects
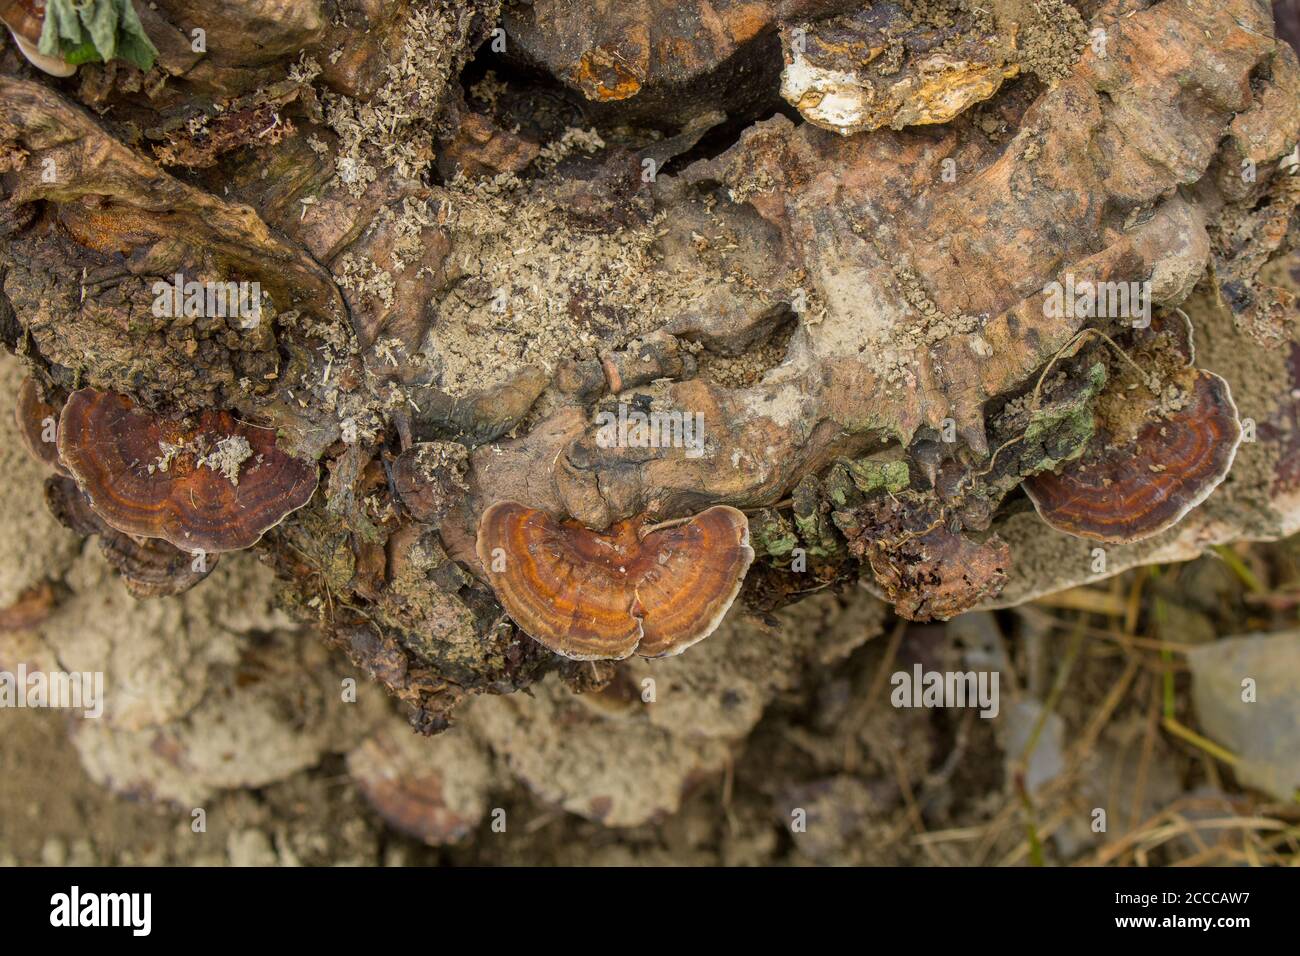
[{"x": 830, "y": 260}]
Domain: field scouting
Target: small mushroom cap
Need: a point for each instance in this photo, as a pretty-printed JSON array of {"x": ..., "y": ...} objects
[
  {"x": 24, "y": 18},
  {"x": 32, "y": 608},
  {"x": 603, "y": 596},
  {"x": 71, "y": 508},
  {"x": 37, "y": 422},
  {"x": 150, "y": 567},
  {"x": 1124, "y": 494},
  {"x": 53, "y": 65},
  {"x": 115, "y": 451},
  {"x": 434, "y": 791}
]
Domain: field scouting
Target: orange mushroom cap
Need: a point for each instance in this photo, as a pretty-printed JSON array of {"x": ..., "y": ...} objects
[
  {"x": 119, "y": 455},
  {"x": 603, "y": 596},
  {"x": 1139, "y": 489},
  {"x": 416, "y": 786}
]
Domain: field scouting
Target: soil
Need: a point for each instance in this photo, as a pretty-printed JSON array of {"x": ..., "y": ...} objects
[{"x": 764, "y": 723}]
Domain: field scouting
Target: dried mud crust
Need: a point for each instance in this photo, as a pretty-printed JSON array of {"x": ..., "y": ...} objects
[
  {"x": 860, "y": 319},
  {"x": 821, "y": 740},
  {"x": 39, "y": 549},
  {"x": 530, "y": 286}
]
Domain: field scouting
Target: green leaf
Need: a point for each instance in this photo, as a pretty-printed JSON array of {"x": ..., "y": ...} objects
[
  {"x": 109, "y": 28},
  {"x": 100, "y": 17},
  {"x": 85, "y": 53},
  {"x": 137, "y": 50},
  {"x": 134, "y": 44},
  {"x": 61, "y": 25}
]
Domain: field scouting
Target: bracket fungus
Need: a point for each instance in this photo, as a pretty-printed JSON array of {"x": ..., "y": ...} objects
[
  {"x": 1125, "y": 492},
  {"x": 150, "y": 567},
  {"x": 638, "y": 588},
  {"x": 214, "y": 486},
  {"x": 38, "y": 426}
]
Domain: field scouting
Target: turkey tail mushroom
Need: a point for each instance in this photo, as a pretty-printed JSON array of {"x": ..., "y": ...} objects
[
  {"x": 1134, "y": 490},
  {"x": 588, "y": 595},
  {"x": 211, "y": 486},
  {"x": 38, "y": 426}
]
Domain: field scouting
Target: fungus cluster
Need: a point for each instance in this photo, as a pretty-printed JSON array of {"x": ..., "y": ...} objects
[
  {"x": 150, "y": 567},
  {"x": 862, "y": 321},
  {"x": 165, "y": 497},
  {"x": 638, "y": 588},
  {"x": 1124, "y": 491}
]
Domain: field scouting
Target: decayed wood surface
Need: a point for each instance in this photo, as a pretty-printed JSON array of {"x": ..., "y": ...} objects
[{"x": 825, "y": 233}]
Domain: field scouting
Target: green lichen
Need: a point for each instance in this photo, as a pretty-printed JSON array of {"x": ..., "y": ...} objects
[
  {"x": 872, "y": 476},
  {"x": 771, "y": 535},
  {"x": 1075, "y": 415},
  {"x": 1060, "y": 431},
  {"x": 812, "y": 519}
]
